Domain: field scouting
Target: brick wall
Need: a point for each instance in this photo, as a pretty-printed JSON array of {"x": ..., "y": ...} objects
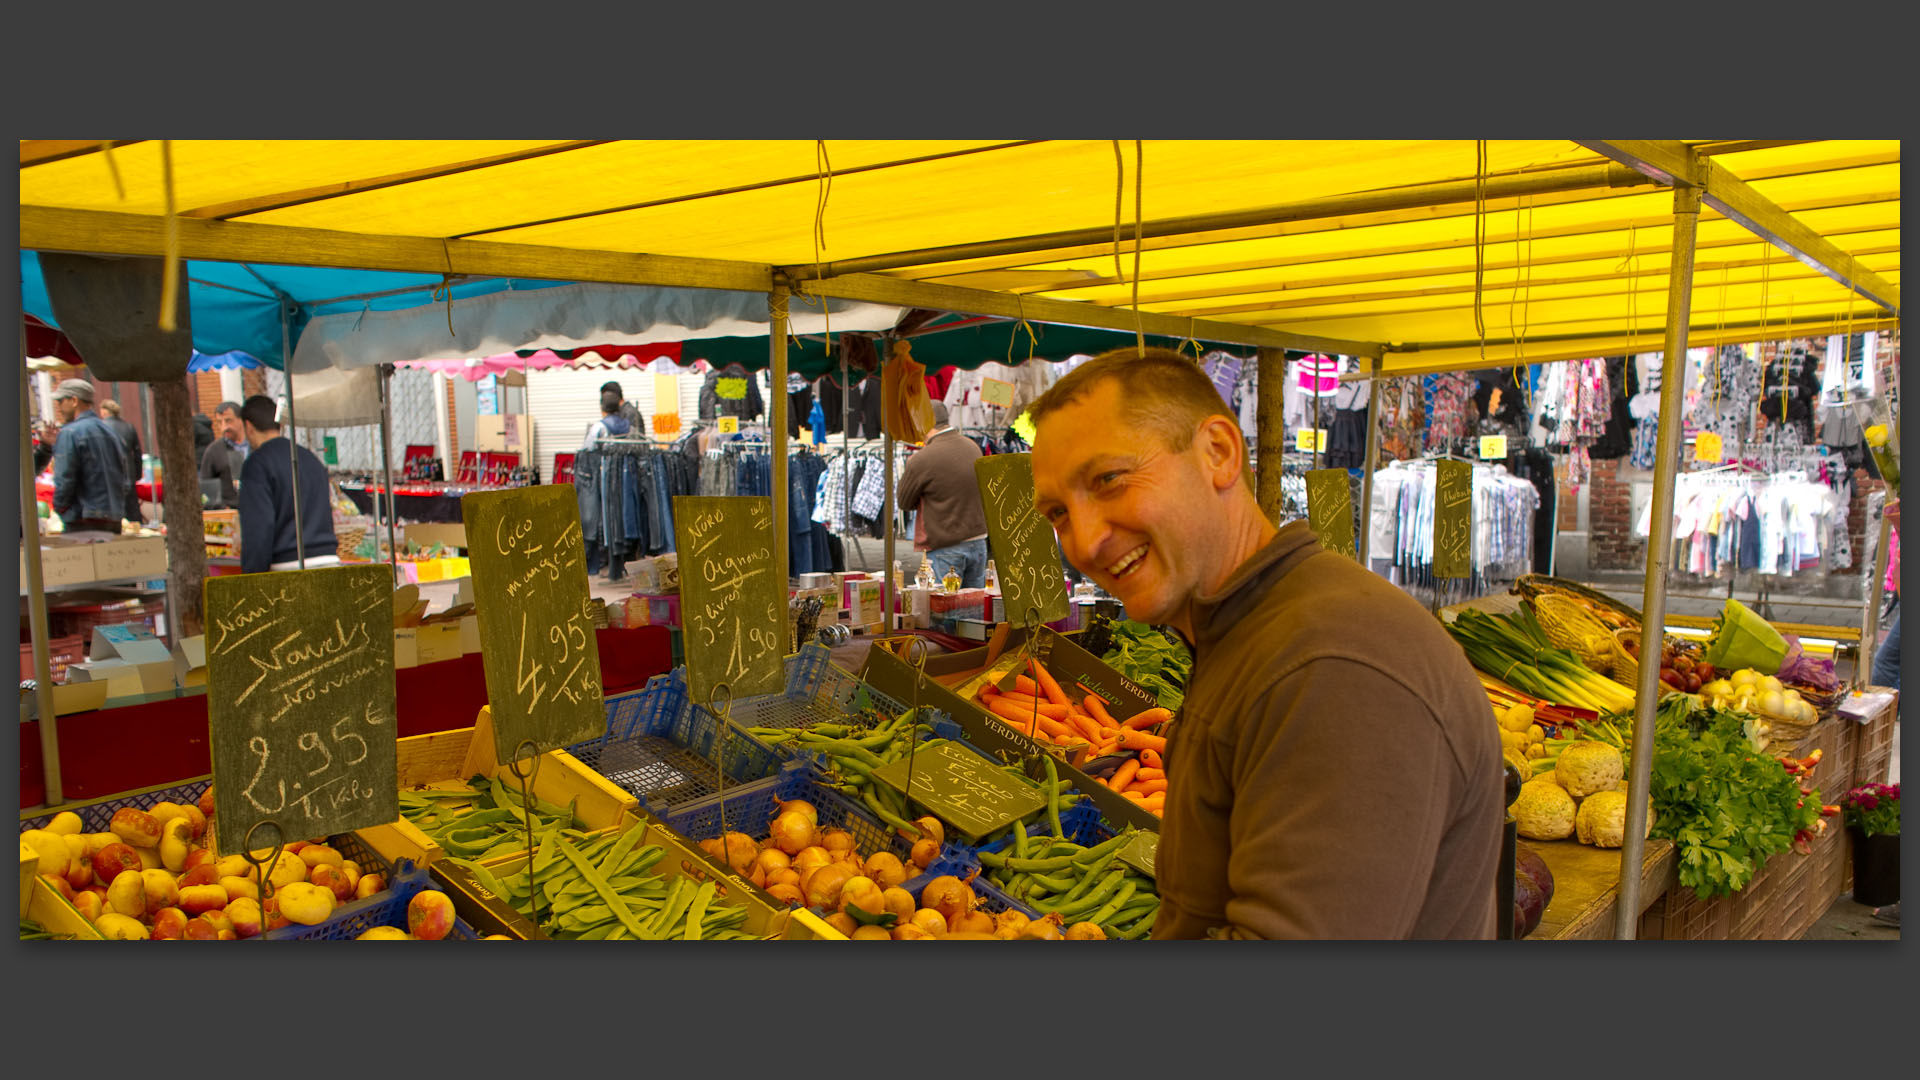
[
  {"x": 1613, "y": 545},
  {"x": 453, "y": 432},
  {"x": 206, "y": 392}
]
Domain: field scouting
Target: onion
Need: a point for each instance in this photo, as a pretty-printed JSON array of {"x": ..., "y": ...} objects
[
  {"x": 946, "y": 895},
  {"x": 758, "y": 877},
  {"x": 823, "y": 888},
  {"x": 863, "y": 893},
  {"x": 910, "y": 932},
  {"x": 872, "y": 933},
  {"x": 810, "y": 858},
  {"x": 885, "y": 867},
  {"x": 971, "y": 922},
  {"x": 1745, "y": 677},
  {"x": 712, "y": 847},
  {"x": 924, "y": 852},
  {"x": 1047, "y": 929},
  {"x": 1086, "y": 931},
  {"x": 931, "y": 921},
  {"x": 899, "y": 901},
  {"x": 795, "y": 806},
  {"x": 931, "y": 828},
  {"x": 1009, "y": 923},
  {"x": 836, "y": 840},
  {"x": 771, "y": 860},
  {"x": 791, "y": 833},
  {"x": 787, "y": 894},
  {"x": 1772, "y": 703},
  {"x": 843, "y": 922},
  {"x": 1770, "y": 683},
  {"x": 741, "y": 851},
  {"x": 789, "y": 876}
]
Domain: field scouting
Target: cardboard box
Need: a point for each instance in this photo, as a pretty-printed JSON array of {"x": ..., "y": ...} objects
[
  {"x": 137, "y": 647},
  {"x": 78, "y": 697},
  {"x": 469, "y": 634},
  {"x": 435, "y": 642},
  {"x": 62, "y": 562},
  {"x": 863, "y": 603},
  {"x": 190, "y": 662},
  {"x": 121, "y": 679},
  {"x": 130, "y": 557},
  {"x": 406, "y": 651},
  {"x": 450, "y": 534}
]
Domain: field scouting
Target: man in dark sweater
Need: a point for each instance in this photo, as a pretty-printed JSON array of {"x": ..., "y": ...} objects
[
  {"x": 1335, "y": 770},
  {"x": 224, "y": 455},
  {"x": 130, "y": 445},
  {"x": 267, "y": 532},
  {"x": 939, "y": 482}
]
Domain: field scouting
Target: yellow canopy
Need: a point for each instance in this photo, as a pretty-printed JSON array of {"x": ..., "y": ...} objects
[{"x": 1372, "y": 247}]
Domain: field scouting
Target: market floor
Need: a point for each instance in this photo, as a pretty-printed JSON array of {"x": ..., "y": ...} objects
[{"x": 1850, "y": 921}]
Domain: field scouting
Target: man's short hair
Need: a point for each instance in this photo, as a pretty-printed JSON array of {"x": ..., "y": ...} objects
[
  {"x": 227, "y": 406},
  {"x": 1166, "y": 392},
  {"x": 261, "y": 413},
  {"x": 614, "y": 389},
  {"x": 110, "y": 407},
  {"x": 609, "y": 402},
  {"x": 940, "y": 414}
]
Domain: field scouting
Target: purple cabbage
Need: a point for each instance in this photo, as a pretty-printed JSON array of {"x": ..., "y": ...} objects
[{"x": 1800, "y": 669}]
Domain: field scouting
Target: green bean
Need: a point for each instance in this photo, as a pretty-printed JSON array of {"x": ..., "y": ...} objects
[
  {"x": 614, "y": 901},
  {"x": 867, "y": 796},
  {"x": 1019, "y": 840},
  {"x": 678, "y": 896},
  {"x": 699, "y": 911},
  {"x": 1053, "y": 796},
  {"x": 1106, "y": 910}
]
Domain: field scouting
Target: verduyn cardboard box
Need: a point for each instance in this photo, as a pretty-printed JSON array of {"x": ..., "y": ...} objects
[
  {"x": 406, "y": 651},
  {"x": 434, "y": 642},
  {"x": 469, "y": 634}
]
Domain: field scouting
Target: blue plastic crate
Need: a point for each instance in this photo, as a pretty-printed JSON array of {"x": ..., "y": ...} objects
[
  {"x": 662, "y": 750},
  {"x": 385, "y": 908},
  {"x": 750, "y": 809},
  {"x": 97, "y": 815}
]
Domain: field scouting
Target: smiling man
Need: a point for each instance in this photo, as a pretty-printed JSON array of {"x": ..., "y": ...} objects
[{"x": 1334, "y": 771}]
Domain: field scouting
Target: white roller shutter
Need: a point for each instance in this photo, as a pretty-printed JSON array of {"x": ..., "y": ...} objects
[{"x": 565, "y": 401}]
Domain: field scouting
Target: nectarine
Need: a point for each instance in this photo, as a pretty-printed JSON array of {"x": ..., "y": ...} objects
[
  {"x": 169, "y": 924},
  {"x": 430, "y": 915},
  {"x": 135, "y": 827}
]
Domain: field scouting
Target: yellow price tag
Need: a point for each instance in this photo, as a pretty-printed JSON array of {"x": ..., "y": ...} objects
[
  {"x": 1493, "y": 447},
  {"x": 1307, "y": 440},
  {"x": 996, "y": 392},
  {"x": 729, "y": 425},
  {"x": 1706, "y": 447}
]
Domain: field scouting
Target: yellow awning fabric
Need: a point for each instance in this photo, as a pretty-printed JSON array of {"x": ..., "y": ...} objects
[{"x": 1559, "y": 274}]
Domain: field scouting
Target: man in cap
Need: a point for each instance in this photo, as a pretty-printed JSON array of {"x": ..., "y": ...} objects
[
  {"x": 89, "y": 466},
  {"x": 267, "y": 529}
]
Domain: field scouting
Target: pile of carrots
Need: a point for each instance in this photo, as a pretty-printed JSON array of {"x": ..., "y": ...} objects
[{"x": 1040, "y": 707}]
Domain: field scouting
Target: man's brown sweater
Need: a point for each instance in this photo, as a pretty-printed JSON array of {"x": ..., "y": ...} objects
[
  {"x": 940, "y": 482},
  {"x": 1335, "y": 771}
]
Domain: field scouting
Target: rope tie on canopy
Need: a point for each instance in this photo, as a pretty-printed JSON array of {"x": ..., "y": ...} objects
[
  {"x": 1139, "y": 173},
  {"x": 170, "y": 276},
  {"x": 823, "y": 172},
  {"x": 442, "y": 291},
  {"x": 1032, "y": 342},
  {"x": 1480, "y": 242},
  {"x": 1193, "y": 323},
  {"x": 1520, "y": 330}
]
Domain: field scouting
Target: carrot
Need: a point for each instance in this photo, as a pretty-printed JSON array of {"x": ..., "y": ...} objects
[
  {"x": 1098, "y": 710},
  {"x": 1088, "y": 726},
  {"x": 1151, "y": 759},
  {"x": 1048, "y": 683},
  {"x": 1124, "y": 774},
  {"x": 1147, "y": 718},
  {"x": 1140, "y": 740},
  {"x": 1058, "y": 712},
  {"x": 1148, "y": 787},
  {"x": 1151, "y": 774},
  {"x": 1026, "y": 686},
  {"x": 1022, "y": 715}
]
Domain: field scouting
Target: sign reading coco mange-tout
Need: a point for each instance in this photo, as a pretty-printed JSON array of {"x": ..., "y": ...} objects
[
  {"x": 300, "y": 703},
  {"x": 537, "y": 643}
]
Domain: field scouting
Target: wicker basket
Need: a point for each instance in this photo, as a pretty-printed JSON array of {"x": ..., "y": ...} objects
[
  {"x": 1568, "y": 625},
  {"x": 349, "y": 538},
  {"x": 1533, "y": 586}
]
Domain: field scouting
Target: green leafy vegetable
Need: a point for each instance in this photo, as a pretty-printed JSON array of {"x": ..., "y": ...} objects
[{"x": 1151, "y": 658}]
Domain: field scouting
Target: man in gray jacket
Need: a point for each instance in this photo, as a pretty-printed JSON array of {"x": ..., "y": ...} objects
[
  {"x": 939, "y": 481},
  {"x": 1335, "y": 769}
]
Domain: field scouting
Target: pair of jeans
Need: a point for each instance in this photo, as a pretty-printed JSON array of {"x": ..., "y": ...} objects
[
  {"x": 660, "y": 506},
  {"x": 632, "y": 513},
  {"x": 1886, "y": 661},
  {"x": 967, "y": 558}
]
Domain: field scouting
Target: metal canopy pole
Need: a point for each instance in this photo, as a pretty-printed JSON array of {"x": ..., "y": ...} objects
[
  {"x": 1653, "y": 613},
  {"x": 386, "y": 464},
  {"x": 37, "y": 596},
  {"x": 293, "y": 431},
  {"x": 777, "y": 390},
  {"x": 886, "y": 451},
  {"x": 1373, "y": 462}
]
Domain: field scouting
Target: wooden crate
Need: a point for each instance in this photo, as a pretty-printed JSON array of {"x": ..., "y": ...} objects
[
  {"x": 1682, "y": 916},
  {"x": 1769, "y": 907},
  {"x": 29, "y": 871},
  {"x": 451, "y": 758},
  {"x": 765, "y": 919},
  {"x": 55, "y": 915},
  {"x": 1873, "y": 746}
]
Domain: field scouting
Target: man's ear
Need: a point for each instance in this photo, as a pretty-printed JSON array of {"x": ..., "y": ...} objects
[{"x": 1223, "y": 453}]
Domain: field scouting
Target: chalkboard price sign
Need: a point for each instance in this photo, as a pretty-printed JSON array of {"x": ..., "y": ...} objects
[
  {"x": 300, "y": 703},
  {"x": 1025, "y": 553},
  {"x": 733, "y": 606},
  {"x": 1139, "y": 851},
  {"x": 1453, "y": 519},
  {"x": 537, "y": 643},
  {"x": 963, "y": 789},
  {"x": 1330, "y": 510}
]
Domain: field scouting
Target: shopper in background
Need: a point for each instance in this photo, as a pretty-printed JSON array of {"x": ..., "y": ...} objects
[
  {"x": 939, "y": 483},
  {"x": 267, "y": 529},
  {"x": 627, "y": 410},
  {"x": 89, "y": 466},
  {"x": 611, "y": 425},
  {"x": 225, "y": 455},
  {"x": 1334, "y": 771},
  {"x": 130, "y": 446}
]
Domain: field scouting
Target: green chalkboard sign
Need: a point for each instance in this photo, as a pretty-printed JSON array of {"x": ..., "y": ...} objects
[
  {"x": 1452, "y": 519},
  {"x": 1025, "y": 553},
  {"x": 1330, "y": 510},
  {"x": 732, "y": 607},
  {"x": 963, "y": 789},
  {"x": 1139, "y": 851},
  {"x": 300, "y": 710},
  {"x": 530, "y": 593}
]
